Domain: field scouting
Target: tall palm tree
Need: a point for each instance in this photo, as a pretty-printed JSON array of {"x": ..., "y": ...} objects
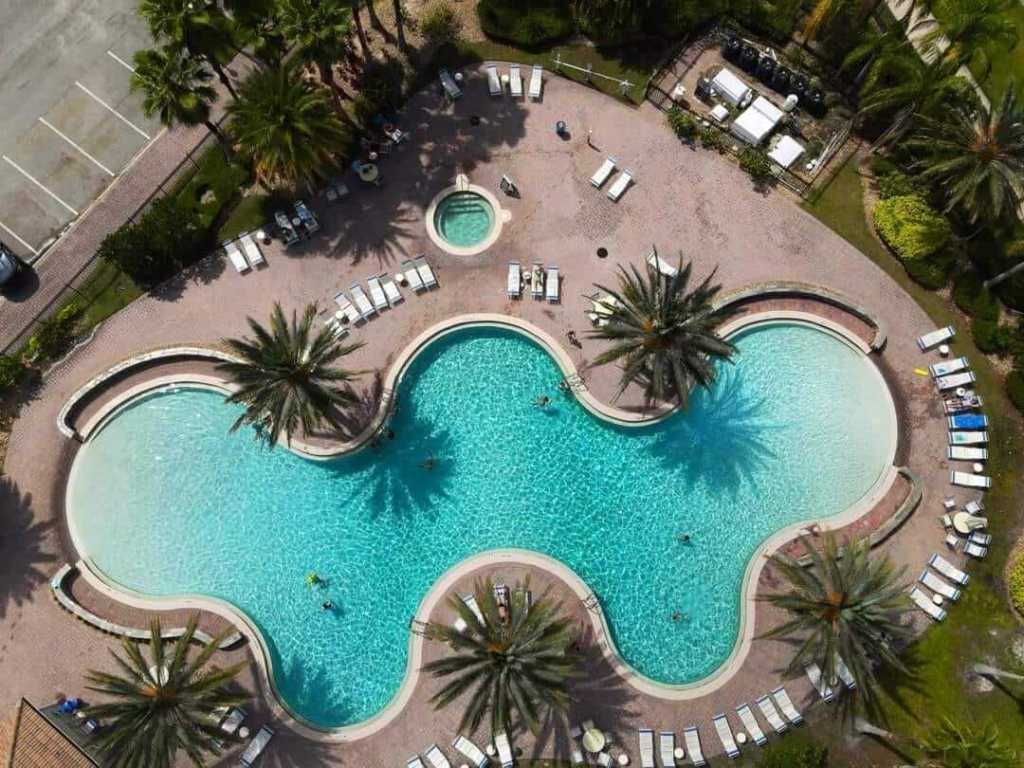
[
  {"x": 513, "y": 660},
  {"x": 975, "y": 156},
  {"x": 288, "y": 127},
  {"x": 163, "y": 705},
  {"x": 201, "y": 28},
  {"x": 848, "y": 605},
  {"x": 320, "y": 29},
  {"x": 287, "y": 378},
  {"x": 174, "y": 87},
  {"x": 663, "y": 333},
  {"x": 971, "y": 28},
  {"x": 953, "y": 745}
]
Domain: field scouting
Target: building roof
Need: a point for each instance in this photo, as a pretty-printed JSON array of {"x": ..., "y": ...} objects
[
  {"x": 39, "y": 743},
  {"x": 757, "y": 121},
  {"x": 786, "y": 151},
  {"x": 730, "y": 87}
]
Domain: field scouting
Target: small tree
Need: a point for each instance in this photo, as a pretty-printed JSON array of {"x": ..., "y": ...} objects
[
  {"x": 911, "y": 227},
  {"x": 711, "y": 138},
  {"x": 682, "y": 124},
  {"x": 954, "y": 745},
  {"x": 440, "y": 24},
  {"x": 11, "y": 371}
]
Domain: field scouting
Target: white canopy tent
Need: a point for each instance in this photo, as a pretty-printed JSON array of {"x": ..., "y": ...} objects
[
  {"x": 786, "y": 151},
  {"x": 757, "y": 121},
  {"x": 730, "y": 87}
]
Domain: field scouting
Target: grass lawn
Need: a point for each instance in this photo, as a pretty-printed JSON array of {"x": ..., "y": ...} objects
[
  {"x": 250, "y": 213},
  {"x": 105, "y": 291},
  {"x": 981, "y": 626}
]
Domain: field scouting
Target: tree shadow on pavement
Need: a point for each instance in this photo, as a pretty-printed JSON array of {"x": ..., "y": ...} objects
[{"x": 22, "y": 553}]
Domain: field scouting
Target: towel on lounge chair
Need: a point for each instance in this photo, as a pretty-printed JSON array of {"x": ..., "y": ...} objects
[
  {"x": 751, "y": 725},
  {"x": 926, "y": 604},
  {"x": 725, "y": 736},
  {"x": 515, "y": 81},
  {"x": 235, "y": 256},
  {"x": 954, "y": 380},
  {"x": 601, "y": 174},
  {"x": 947, "y": 367},
  {"x": 947, "y": 569},
  {"x": 646, "y": 748},
  {"x": 537, "y": 280},
  {"x": 693, "y": 746},
  {"x": 412, "y": 276},
  {"x": 771, "y": 714},
  {"x": 471, "y": 752},
  {"x": 968, "y": 438},
  {"x": 966, "y": 453}
]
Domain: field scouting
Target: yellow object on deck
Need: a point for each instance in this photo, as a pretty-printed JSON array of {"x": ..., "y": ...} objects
[{"x": 921, "y": 372}]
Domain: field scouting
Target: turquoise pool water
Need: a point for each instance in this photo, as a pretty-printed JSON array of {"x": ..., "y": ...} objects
[
  {"x": 464, "y": 219},
  {"x": 167, "y": 502}
]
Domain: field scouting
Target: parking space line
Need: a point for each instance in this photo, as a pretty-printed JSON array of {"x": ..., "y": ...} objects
[
  {"x": 31, "y": 178},
  {"x": 117, "y": 114},
  {"x": 120, "y": 61},
  {"x": 95, "y": 162},
  {"x": 15, "y": 235}
]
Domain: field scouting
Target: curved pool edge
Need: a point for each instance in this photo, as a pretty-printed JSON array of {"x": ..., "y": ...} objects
[
  {"x": 462, "y": 184},
  {"x": 678, "y": 692}
]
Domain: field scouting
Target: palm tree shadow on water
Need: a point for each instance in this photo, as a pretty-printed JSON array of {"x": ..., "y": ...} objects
[{"x": 724, "y": 432}]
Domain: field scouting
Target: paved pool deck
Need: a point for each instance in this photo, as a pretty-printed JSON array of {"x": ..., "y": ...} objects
[{"x": 682, "y": 199}]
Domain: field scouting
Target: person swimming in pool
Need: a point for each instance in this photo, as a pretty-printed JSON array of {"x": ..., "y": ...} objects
[
  {"x": 542, "y": 401},
  {"x": 684, "y": 538},
  {"x": 429, "y": 464},
  {"x": 327, "y": 605},
  {"x": 677, "y": 615}
]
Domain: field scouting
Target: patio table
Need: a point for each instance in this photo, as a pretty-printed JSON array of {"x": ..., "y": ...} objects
[{"x": 593, "y": 740}]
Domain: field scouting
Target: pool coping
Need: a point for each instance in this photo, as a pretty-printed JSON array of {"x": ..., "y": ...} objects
[{"x": 680, "y": 692}]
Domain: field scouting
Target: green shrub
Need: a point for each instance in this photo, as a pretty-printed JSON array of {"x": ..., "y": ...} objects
[
  {"x": 684, "y": 126},
  {"x": 756, "y": 163},
  {"x": 927, "y": 274},
  {"x": 527, "y": 23},
  {"x": 794, "y": 755},
  {"x": 970, "y": 295},
  {"x": 991, "y": 337},
  {"x": 11, "y": 371},
  {"x": 53, "y": 335},
  {"x": 897, "y": 184},
  {"x": 881, "y": 165},
  {"x": 712, "y": 138},
  {"x": 1015, "y": 390},
  {"x": 440, "y": 24},
  {"x": 1011, "y": 290},
  {"x": 214, "y": 186},
  {"x": 910, "y": 227}
]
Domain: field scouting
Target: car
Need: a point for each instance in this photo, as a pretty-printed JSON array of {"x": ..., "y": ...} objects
[{"x": 10, "y": 267}]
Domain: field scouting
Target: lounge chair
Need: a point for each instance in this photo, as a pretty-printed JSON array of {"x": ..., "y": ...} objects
[
  {"x": 514, "y": 285},
  {"x": 412, "y": 277},
  {"x": 725, "y": 736},
  {"x": 935, "y": 338},
  {"x": 746, "y": 715},
  {"x": 362, "y": 303},
  {"x": 234, "y": 719},
  {"x": 818, "y": 681},
  {"x": 536, "y": 81},
  {"x": 616, "y": 190},
  {"x": 966, "y": 453},
  {"x": 256, "y": 746},
  {"x": 470, "y": 600},
  {"x": 981, "y": 539},
  {"x": 552, "y": 285},
  {"x": 844, "y": 673},
  {"x": 470, "y": 751},
  {"x": 414, "y": 762},
  {"x": 965, "y": 420},
  {"x": 955, "y": 380},
  {"x": 975, "y": 550},
  {"x": 771, "y": 714},
  {"x": 660, "y": 265},
  {"x": 504, "y": 750},
  {"x": 938, "y": 586},
  {"x": 285, "y": 228},
  {"x": 449, "y": 84},
  {"x": 646, "y": 736},
  {"x": 786, "y": 705},
  {"x": 252, "y": 251},
  {"x": 391, "y": 290},
  {"x": 974, "y": 507},
  {"x": 947, "y": 569},
  {"x": 968, "y": 480},
  {"x": 692, "y": 738},
  {"x": 926, "y": 604},
  {"x": 493, "y": 82},
  {"x": 307, "y": 217},
  {"x": 968, "y": 438},
  {"x": 380, "y": 301},
  {"x": 601, "y": 174},
  {"x": 537, "y": 280},
  {"x": 425, "y": 272},
  {"x": 577, "y": 755},
  {"x": 236, "y": 258},
  {"x": 347, "y": 308},
  {"x": 515, "y": 81},
  {"x": 947, "y": 367},
  {"x": 667, "y": 748},
  {"x": 952, "y": 541}
]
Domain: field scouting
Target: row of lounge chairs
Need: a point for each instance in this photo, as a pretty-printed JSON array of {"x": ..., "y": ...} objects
[
  {"x": 543, "y": 284},
  {"x": 602, "y": 174},
  {"x": 470, "y": 751},
  {"x": 515, "y": 81},
  {"x": 246, "y": 258},
  {"x": 943, "y": 587},
  {"x": 384, "y": 293}
]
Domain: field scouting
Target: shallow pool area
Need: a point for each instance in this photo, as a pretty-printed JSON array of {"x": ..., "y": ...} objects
[
  {"x": 464, "y": 219},
  {"x": 166, "y": 502}
]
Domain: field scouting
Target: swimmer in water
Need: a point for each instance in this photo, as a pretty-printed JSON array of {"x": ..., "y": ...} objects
[
  {"x": 677, "y": 615},
  {"x": 684, "y": 538},
  {"x": 327, "y": 605},
  {"x": 542, "y": 401},
  {"x": 429, "y": 464}
]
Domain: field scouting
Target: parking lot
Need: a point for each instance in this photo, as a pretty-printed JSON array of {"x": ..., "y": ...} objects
[{"x": 68, "y": 122}]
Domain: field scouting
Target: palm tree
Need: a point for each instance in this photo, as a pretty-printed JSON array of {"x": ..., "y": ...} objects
[
  {"x": 400, "y": 25},
  {"x": 364, "y": 45},
  {"x": 951, "y": 745},
  {"x": 513, "y": 660},
  {"x": 200, "y": 28},
  {"x": 846, "y": 605},
  {"x": 164, "y": 705},
  {"x": 286, "y": 377},
  {"x": 287, "y": 127},
  {"x": 663, "y": 333},
  {"x": 320, "y": 29},
  {"x": 174, "y": 87},
  {"x": 823, "y": 12},
  {"x": 971, "y": 28},
  {"x": 975, "y": 156}
]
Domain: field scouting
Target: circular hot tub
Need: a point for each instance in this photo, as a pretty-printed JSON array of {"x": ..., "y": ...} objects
[{"x": 464, "y": 219}]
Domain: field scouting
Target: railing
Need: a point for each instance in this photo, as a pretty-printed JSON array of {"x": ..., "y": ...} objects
[{"x": 588, "y": 73}]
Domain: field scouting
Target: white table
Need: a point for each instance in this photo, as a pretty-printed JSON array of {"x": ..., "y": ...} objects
[
  {"x": 593, "y": 741},
  {"x": 679, "y": 753},
  {"x": 741, "y": 738},
  {"x": 623, "y": 759},
  {"x": 938, "y": 599}
]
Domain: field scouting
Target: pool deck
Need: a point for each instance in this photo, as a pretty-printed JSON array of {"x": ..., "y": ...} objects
[{"x": 682, "y": 199}]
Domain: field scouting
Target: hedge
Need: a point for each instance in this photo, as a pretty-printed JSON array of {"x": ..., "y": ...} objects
[
  {"x": 897, "y": 184},
  {"x": 527, "y": 23},
  {"x": 911, "y": 227},
  {"x": 1015, "y": 389},
  {"x": 971, "y": 297},
  {"x": 11, "y": 371},
  {"x": 1016, "y": 580},
  {"x": 990, "y": 337}
]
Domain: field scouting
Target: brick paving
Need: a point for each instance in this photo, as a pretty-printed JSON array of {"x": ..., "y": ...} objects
[{"x": 683, "y": 199}]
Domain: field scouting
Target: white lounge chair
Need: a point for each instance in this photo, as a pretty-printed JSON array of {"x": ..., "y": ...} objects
[
  {"x": 391, "y": 290},
  {"x": 979, "y": 538},
  {"x": 601, "y": 174},
  {"x": 256, "y": 746},
  {"x": 975, "y": 550},
  {"x": 955, "y": 380},
  {"x": 537, "y": 280},
  {"x": 692, "y": 738},
  {"x": 771, "y": 714},
  {"x": 552, "y": 285},
  {"x": 236, "y": 258},
  {"x": 515, "y": 81},
  {"x": 493, "y": 82},
  {"x": 362, "y": 303},
  {"x": 667, "y": 748},
  {"x": 536, "y": 81},
  {"x": 577, "y": 755},
  {"x": 514, "y": 286},
  {"x": 968, "y": 480},
  {"x": 786, "y": 705},
  {"x": 412, "y": 277},
  {"x": 470, "y": 600},
  {"x": 746, "y": 715},
  {"x": 818, "y": 681},
  {"x": 504, "y": 750},
  {"x": 966, "y": 453},
  {"x": 425, "y": 272},
  {"x": 725, "y": 736},
  {"x": 844, "y": 673},
  {"x": 947, "y": 367},
  {"x": 938, "y": 586},
  {"x": 604, "y": 759},
  {"x": 380, "y": 301},
  {"x": 347, "y": 308},
  {"x": 234, "y": 719},
  {"x": 947, "y": 569},
  {"x": 252, "y": 251},
  {"x": 968, "y": 438},
  {"x": 616, "y": 190},
  {"x": 414, "y": 762},
  {"x": 470, "y": 751},
  {"x": 926, "y": 604},
  {"x": 449, "y": 84},
  {"x": 935, "y": 338},
  {"x": 974, "y": 507},
  {"x": 646, "y": 736},
  {"x": 660, "y": 265}
]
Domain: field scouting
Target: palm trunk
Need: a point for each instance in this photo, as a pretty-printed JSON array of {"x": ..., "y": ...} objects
[
  {"x": 327, "y": 77},
  {"x": 225, "y": 145},
  {"x": 984, "y": 670},
  {"x": 360, "y": 32},
  {"x": 374, "y": 19},
  {"x": 399, "y": 26},
  {"x": 222, "y": 76}
]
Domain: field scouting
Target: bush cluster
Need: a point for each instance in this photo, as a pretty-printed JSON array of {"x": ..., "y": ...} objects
[
  {"x": 440, "y": 24},
  {"x": 53, "y": 335},
  {"x": 682, "y": 123},
  {"x": 756, "y": 163},
  {"x": 527, "y": 23},
  {"x": 1016, "y": 580},
  {"x": 1015, "y": 389},
  {"x": 897, "y": 184},
  {"x": 911, "y": 227},
  {"x": 971, "y": 297},
  {"x": 11, "y": 371},
  {"x": 712, "y": 138},
  {"x": 794, "y": 755}
]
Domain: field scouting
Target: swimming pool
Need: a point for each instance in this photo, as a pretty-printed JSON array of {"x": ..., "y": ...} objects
[
  {"x": 464, "y": 219},
  {"x": 167, "y": 502}
]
